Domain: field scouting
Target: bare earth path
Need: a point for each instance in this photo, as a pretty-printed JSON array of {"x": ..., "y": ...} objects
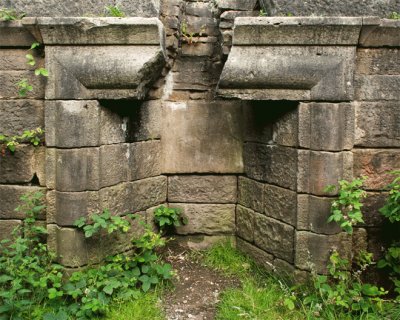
[{"x": 196, "y": 288}]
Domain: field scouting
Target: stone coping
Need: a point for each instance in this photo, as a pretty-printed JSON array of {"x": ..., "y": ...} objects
[
  {"x": 82, "y": 31},
  {"x": 363, "y": 31}
]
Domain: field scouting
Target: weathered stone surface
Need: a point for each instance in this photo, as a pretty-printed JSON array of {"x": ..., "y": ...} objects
[
  {"x": 147, "y": 121},
  {"x": 371, "y": 205},
  {"x": 202, "y": 189},
  {"x": 280, "y": 203},
  {"x": 199, "y": 9},
  {"x": 118, "y": 199},
  {"x": 70, "y": 206},
  {"x": 313, "y": 213},
  {"x": 326, "y": 126},
  {"x": 10, "y": 199},
  {"x": 7, "y": 227},
  {"x": 102, "y": 72},
  {"x": 377, "y": 87},
  {"x": 333, "y": 8},
  {"x": 312, "y": 250},
  {"x": 245, "y": 223},
  {"x": 251, "y": 194},
  {"x": 74, "y": 169},
  {"x": 384, "y": 61},
  {"x": 9, "y": 87},
  {"x": 114, "y": 164},
  {"x": 237, "y": 4},
  {"x": 319, "y": 169},
  {"x": 14, "y": 34},
  {"x": 288, "y": 73},
  {"x": 273, "y": 164},
  {"x": 375, "y": 164},
  {"x": 202, "y": 137},
  {"x": 274, "y": 237},
  {"x": 145, "y": 159},
  {"x": 261, "y": 257},
  {"x": 15, "y": 59},
  {"x": 297, "y": 30},
  {"x": 380, "y": 33},
  {"x": 148, "y": 193},
  {"x": 359, "y": 241},
  {"x": 377, "y": 124},
  {"x": 16, "y": 116},
  {"x": 20, "y": 166},
  {"x": 203, "y": 242},
  {"x": 147, "y": 8},
  {"x": 110, "y": 30},
  {"x": 198, "y": 49},
  {"x": 72, "y": 124},
  {"x": 202, "y": 26},
  {"x": 286, "y": 129},
  {"x": 207, "y": 218}
]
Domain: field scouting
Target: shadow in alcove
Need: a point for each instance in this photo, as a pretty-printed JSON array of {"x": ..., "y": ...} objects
[{"x": 131, "y": 112}]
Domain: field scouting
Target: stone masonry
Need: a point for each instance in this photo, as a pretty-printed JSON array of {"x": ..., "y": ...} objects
[{"x": 239, "y": 120}]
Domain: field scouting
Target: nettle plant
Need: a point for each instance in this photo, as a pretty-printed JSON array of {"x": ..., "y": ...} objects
[
  {"x": 167, "y": 218},
  {"x": 32, "y": 286}
]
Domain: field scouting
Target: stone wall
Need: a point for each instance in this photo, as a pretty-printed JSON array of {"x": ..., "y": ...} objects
[{"x": 241, "y": 123}]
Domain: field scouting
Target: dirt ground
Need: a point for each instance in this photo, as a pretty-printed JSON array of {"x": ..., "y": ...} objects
[{"x": 196, "y": 288}]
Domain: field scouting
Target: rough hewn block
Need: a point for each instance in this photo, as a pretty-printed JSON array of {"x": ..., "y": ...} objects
[
  {"x": 202, "y": 137},
  {"x": 251, "y": 194},
  {"x": 377, "y": 87},
  {"x": 377, "y": 124},
  {"x": 297, "y": 30},
  {"x": 286, "y": 128},
  {"x": 13, "y": 33},
  {"x": 9, "y": 87},
  {"x": 199, "y": 9},
  {"x": 10, "y": 199},
  {"x": 384, "y": 61},
  {"x": 312, "y": 250},
  {"x": 72, "y": 124},
  {"x": 375, "y": 164},
  {"x": 261, "y": 257},
  {"x": 148, "y": 193},
  {"x": 147, "y": 123},
  {"x": 237, "y": 4},
  {"x": 118, "y": 199},
  {"x": 326, "y": 126},
  {"x": 280, "y": 203},
  {"x": 245, "y": 223},
  {"x": 107, "y": 73},
  {"x": 114, "y": 164},
  {"x": 20, "y": 166},
  {"x": 7, "y": 227},
  {"x": 381, "y": 32},
  {"x": 313, "y": 213},
  {"x": 320, "y": 169},
  {"x": 145, "y": 160},
  {"x": 203, "y": 26},
  {"x": 274, "y": 237},
  {"x": 207, "y": 218},
  {"x": 288, "y": 73},
  {"x": 202, "y": 189},
  {"x": 273, "y": 164},
  {"x": 16, "y": 116},
  {"x": 15, "y": 59}
]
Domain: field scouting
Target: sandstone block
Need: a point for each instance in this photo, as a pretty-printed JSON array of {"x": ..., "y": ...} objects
[
  {"x": 145, "y": 159},
  {"x": 199, "y": 9},
  {"x": 18, "y": 167},
  {"x": 148, "y": 193},
  {"x": 14, "y": 34},
  {"x": 261, "y": 257},
  {"x": 202, "y": 137},
  {"x": 312, "y": 250},
  {"x": 107, "y": 73},
  {"x": 207, "y": 219},
  {"x": 375, "y": 61},
  {"x": 280, "y": 203},
  {"x": 320, "y": 169},
  {"x": 7, "y": 227},
  {"x": 114, "y": 164},
  {"x": 375, "y": 164},
  {"x": 146, "y": 123},
  {"x": 14, "y": 59},
  {"x": 313, "y": 213},
  {"x": 16, "y": 116},
  {"x": 377, "y": 124},
  {"x": 203, "y": 26},
  {"x": 377, "y": 87},
  {"x": 118, "y": 199},
  {"x": 198, "y": 49},
  {"x": 323, "y": 73},
  {"x": 9, "y": 84},
  {"x": 245, "y": 223},
  {"x": 273, "y": 164},
  {"x": 251, "y": 194},
  {"x": 380, "y": 32},
  {"x": 274, "y": 237},
  {"x": 287, "y": 128},
  {"x": 202, "y": 189},
  {"x": 10, "y": 199},
  {"x": 72, "y": 124}
]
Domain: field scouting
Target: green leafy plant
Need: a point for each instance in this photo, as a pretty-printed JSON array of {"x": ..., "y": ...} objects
[
  {"x": 34, "y": 137},
  {"x": 188, "y": 37},
  {"x": 24, "y": 87},
  {"x": 391, "y": 210},
  {"x": 394, "y": 15},
  {"x": 10, "y": 15},
  {"x": 114, "y": 11},
  {"x": 346, "y": 210},
  {"x": 165, "y": 217}
]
